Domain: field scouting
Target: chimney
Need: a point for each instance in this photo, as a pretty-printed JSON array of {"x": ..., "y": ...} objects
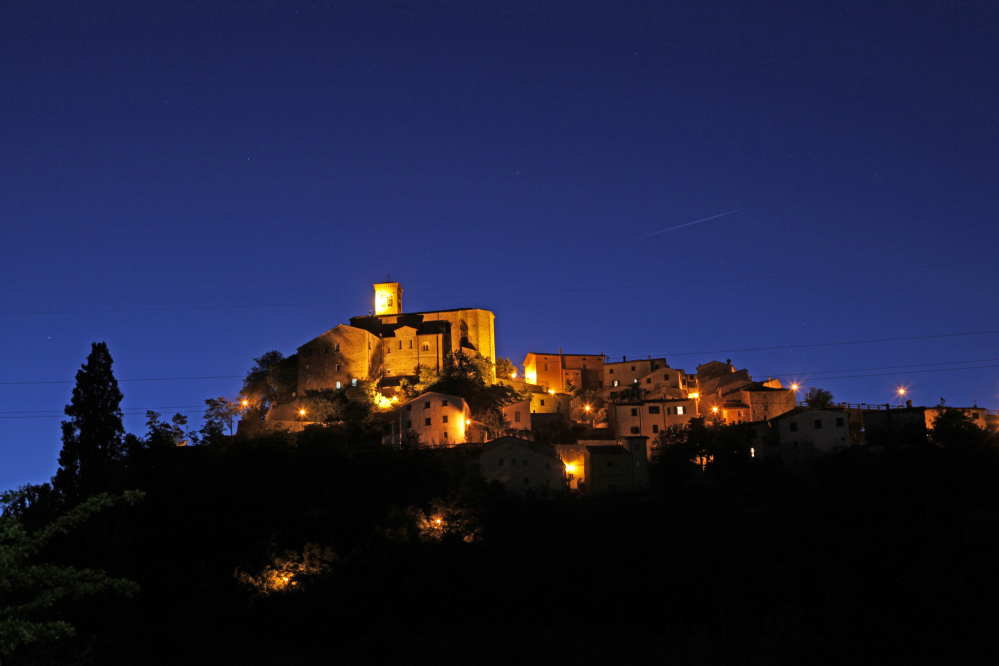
[
  {"x": 908, "y": 403},
  {"x": 624, "y": 358},
  {"x": 560, "y": 351}
]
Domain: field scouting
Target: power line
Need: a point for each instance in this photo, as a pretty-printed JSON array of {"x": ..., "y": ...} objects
[
  {"x": 508, "y": 293},
  {"x": 58, "y": 416},
  {"x": 150, "y": 379},
  {"x": 124, "y": 409},
  {"x": 886, "y": 367},
  {"x": 895, "y": 374},
  {"x": 832, "y": 344}
]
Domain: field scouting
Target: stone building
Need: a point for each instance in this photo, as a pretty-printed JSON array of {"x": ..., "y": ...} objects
[
  {"x": 647, "y": 418},
  {"x": 437, "y": 419},
  {"x": 522, "y": 466},
  {"x": 389, "y": 344},
  {"x": 607, "y": 468},
  {"x": 552, "y": 371}
]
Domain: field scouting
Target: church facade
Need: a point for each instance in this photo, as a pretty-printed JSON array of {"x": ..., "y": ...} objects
[{"x": 389, "y": 344}]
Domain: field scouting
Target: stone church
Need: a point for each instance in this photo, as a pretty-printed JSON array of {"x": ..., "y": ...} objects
[{"x": 390, "y": 344}]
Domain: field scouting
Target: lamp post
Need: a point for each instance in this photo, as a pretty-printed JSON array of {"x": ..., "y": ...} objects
[{"x": 901, "y": 397}]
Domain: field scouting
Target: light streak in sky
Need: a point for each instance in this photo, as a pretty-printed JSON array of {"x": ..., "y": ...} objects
[{"x": 682, "y": 225}]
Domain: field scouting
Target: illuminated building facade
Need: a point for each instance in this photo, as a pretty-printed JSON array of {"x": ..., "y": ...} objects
[
  {"x": 389, "y": 344},
  {"x": 552, "y": 371},
  {"x": 435, "y": 418}
]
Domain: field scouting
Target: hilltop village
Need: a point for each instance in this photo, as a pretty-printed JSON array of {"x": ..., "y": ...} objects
[{"x": 582, "y": 422}]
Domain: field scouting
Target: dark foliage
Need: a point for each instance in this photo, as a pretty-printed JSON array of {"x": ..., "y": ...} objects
[{"x": 92, "y": 438}]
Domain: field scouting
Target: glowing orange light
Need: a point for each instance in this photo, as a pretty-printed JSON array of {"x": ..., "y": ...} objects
[
  {"x": 438, "y": 521},
  {"x": 587, "y": 408},
  {"x": 714, "y": 409},
  {"x": 901, "y": 391},
  {"x": 794, "y": 387},
  {"x": 245, "y": 403},
  {"x": 695, "y": 396},
  {"x": 301, "y": 412},
  {"x": 514, "y": 375}
]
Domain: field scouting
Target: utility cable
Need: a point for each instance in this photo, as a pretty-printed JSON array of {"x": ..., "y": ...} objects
[{"x": 508, "y": 293}]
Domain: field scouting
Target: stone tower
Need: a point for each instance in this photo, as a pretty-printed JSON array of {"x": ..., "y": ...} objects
[{"x": 388, "y": 298}]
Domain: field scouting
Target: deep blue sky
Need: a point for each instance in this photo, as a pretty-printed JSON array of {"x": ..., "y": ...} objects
[{"x": 495, "y": 155}]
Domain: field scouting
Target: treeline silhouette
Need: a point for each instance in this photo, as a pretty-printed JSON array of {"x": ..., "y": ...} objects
[{"x": 315, "y": 546}]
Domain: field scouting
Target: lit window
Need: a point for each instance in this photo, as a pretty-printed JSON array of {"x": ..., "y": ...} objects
[
  {"x": 338, "y": 386},
  {"x": 615, "y": 383},
  {"x": 353, "y": 382},
  {"x": 679, "y": 409}
]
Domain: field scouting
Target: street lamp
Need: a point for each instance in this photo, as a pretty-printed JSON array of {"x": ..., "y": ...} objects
[{"x": 901, "y": 396}]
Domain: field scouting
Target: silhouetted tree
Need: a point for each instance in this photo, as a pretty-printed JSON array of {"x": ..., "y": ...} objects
[
  {"x": 92, "y": 437},
  {"x": 220, "y": 414},
  {"x": 818, "y": 398},
  {"x": 31, "y": 592},
  {"x": 504, "y": 368},
  {"x": 257, "y": 389},
  {"x": 954, "y": 429}
]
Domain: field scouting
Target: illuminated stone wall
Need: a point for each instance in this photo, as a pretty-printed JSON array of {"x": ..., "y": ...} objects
[{"x": 341, "y": 354}]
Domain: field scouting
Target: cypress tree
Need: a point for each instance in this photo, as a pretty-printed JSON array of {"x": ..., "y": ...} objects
[{"x": 92, "y": 438}]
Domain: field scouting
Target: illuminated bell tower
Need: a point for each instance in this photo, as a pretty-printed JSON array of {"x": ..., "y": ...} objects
[{"x": 388, "y": 298}]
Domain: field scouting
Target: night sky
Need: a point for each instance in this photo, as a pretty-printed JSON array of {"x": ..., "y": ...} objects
[{"x": 199, "y": 183}]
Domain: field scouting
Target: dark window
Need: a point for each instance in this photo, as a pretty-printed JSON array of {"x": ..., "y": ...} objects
[
  {"x": 525, "y": 463},
  {"x": 546, "y": 367},
  {"x": 500, "y": 462},
  {"x": 611, "y": 488},
  {"x": 839, "y": 423},
  {"x": 527, "y": 481},
  {"x": 308, "y": 351},
  {"x": 610, "y": 463},
  {"x": 400, "y": 344},
  {"x": 654, "y": 410},
  {"x": 336, "y": 346},
  {"x": 409, "y": 424},
  {"x": 655, "y": 428},
  {"x": 443, "y": 403},
  {"x": 426, "y": 405},
  {"x": 426, "y": 347},
  {"x": 542, "y": 403},
  {"x": 338, "y": 367},
  {"x": 632, "y": 368},
  {"x": 612, "y": 371},
  {"x": 752, "y": 434},
  {"x": 648, "y": 380},
  {"x": 793, "y": 427},
  {"x": 634, "y": 411},
  {"x": 411, "y": 343},
  {"x": 445, "y": 419},
  {"x": 818, "y": 424},
  {"x": 426, "y": 421},
  {"x": 513, "y": 462},
  {"x": 635, "y": 430},
  {"x": 409, "y": 408},
  {"x": 516, "y": 417}
]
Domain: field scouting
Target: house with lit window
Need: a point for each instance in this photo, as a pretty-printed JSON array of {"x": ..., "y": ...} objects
[
  {"x": 523, "y": 466},
  {"x": 435, "y": 418},
  {"x": 623, "y": 374},
  {"x": 647, "y": 418},
  {"x": 805, "y": 433}
]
